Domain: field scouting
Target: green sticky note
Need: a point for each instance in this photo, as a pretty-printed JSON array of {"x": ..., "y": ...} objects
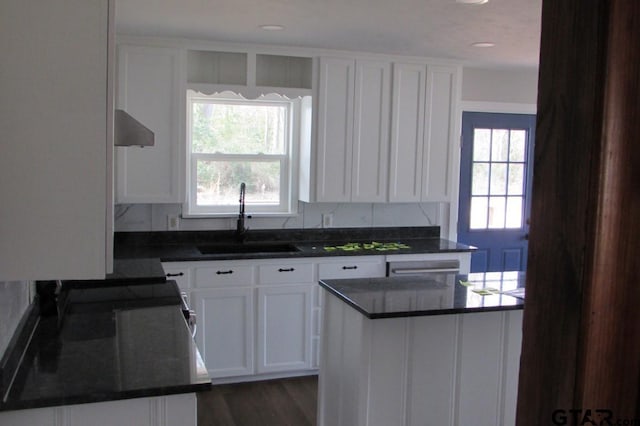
[{"x": 466, "y": 283}]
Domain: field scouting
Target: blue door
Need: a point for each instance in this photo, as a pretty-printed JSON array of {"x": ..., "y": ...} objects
[{"x": 495, "y": 187}]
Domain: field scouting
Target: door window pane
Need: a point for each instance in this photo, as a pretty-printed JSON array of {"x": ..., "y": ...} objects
[
  {"x": 514, "y": 212},
  {"x": 499, "y": 145},
  {"x": 478, "y": 219},
  {"x": 498, "y": 179},
  {"x": 516, "y": 179},
  {"x": 480, "y": 179},
  {"x": 517, "y": 145},
  {"x": 496, "y": 212},
  {"x": 481, "y": 144}
]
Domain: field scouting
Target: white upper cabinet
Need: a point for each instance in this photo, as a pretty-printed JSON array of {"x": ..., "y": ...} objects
[
  {"x": 439, "y": 134},
  {"x": 371, "y": 132},
  {"x": 56, "y": 119},
  {"x": 149, "y": 81},
  {"x": 335, "y": 129},
  {"x": 353, "y": 130},
  {"x": 407, "y": 132},
  {"x": 421, "y": 132}
]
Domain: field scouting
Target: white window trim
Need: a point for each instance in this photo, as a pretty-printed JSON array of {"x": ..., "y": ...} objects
[{"x": 289, "y": 169}]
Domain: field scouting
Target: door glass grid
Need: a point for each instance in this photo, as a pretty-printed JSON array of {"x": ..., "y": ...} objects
[{"x": 497, "y": 178}]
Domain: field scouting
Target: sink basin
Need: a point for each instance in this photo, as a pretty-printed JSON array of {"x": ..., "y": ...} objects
[{"x": 248, "y": 248}]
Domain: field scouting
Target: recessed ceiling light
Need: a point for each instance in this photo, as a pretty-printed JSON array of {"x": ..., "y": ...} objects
[
  {"x": 483, "y": 44},
  {"x": 472, "y": 1},
  {"x": 272, "y": 27}
]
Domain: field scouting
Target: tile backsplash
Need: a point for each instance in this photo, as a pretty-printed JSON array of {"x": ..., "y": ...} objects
[
  {"x": 14, "y": 301},
  {"x": 153, "y": 217}
]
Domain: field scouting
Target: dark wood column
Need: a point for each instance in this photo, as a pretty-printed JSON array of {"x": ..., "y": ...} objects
[{"x": 581, "y": 332}]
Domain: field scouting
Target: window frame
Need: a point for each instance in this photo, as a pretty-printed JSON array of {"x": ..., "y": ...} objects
[{"x": 288, "y": 172}]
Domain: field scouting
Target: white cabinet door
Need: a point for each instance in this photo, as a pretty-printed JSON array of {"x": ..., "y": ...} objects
[
  {"x": 371, "y": 132},
  {"x": 149, "y": 90},
  {"x": 335, "y": 129},
  {"x": 56, "y": 146},
  {"x": 353, "y": 130},
  {"x": 422, "y": 129},
  {"x": 226, "y": 330},
  {"x": 407, "y": 132},
  {"x": 284, "y": 328},
  {"x": 439, "y": 128}
]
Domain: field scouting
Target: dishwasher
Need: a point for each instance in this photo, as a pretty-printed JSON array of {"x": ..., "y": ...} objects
[
  {"x": 419, "y": 267},
  {"x": 439, "y": 278}
]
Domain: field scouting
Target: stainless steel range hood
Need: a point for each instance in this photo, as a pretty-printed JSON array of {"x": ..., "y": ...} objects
[{"x": 130, "y": 132}]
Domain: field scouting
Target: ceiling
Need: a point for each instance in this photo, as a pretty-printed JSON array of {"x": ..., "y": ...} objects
[{"x": 433, "y": 28}]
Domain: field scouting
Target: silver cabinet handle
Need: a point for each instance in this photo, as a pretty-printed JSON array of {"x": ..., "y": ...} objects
[{"x": 400, "y": 271}]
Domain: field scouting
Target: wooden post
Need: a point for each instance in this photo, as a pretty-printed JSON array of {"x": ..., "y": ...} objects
[{"x": 581, "y": 331}]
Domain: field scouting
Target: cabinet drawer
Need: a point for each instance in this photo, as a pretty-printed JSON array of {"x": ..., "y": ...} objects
[
  {"x": 181, "y": 275},
  {"x": 351, "y": 269},
  {"x": 285, "y": 273},
  {"x": 224, "y": 275}
]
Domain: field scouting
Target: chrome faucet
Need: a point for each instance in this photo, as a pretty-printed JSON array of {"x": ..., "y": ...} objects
[{"x": 241, "y": 230}]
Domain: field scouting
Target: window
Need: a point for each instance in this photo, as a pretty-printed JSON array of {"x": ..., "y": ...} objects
[
  {"x": 498, "y": 178},
  {"x": 231, "y": 140}
]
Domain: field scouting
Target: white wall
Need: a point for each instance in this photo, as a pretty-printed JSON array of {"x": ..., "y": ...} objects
[
  {"x": 14, "y": 301},
  {"x": 517, "y": 86}
]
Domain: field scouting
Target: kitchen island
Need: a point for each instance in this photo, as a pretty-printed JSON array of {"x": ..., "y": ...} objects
[{"x": 437, "y": 349}]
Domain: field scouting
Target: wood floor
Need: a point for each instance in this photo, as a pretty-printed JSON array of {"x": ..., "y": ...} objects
[{"x": 282, "y": 402}]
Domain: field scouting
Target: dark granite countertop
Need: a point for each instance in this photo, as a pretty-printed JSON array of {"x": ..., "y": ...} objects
[
  {"x": 429, "y": 294},
  {"x": 129, "y": 272},
  {"x": 183, "y": 245},
  {"x": 113, "y": 342}
]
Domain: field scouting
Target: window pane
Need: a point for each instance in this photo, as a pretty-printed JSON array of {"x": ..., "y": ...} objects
[
  {"x": 516, "y": 179},
  {"x": 514, "y": 212},
  {"x": 478, "y": 219},
  {"x": 496, "y": 212},
  {"x": 499, "y": 145},
  {"x": 219, "y": 182},
  {"x": 236, "y": 128},
  {"x": 481, "y": 144},
  {"x": 480, "y": 179},
  {"x": 516, "y": 148},
  {"x": 498, "y": 179}
]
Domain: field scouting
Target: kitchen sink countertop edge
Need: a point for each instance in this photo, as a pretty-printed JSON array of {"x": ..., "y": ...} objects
[{"x": 178, "y": 246}]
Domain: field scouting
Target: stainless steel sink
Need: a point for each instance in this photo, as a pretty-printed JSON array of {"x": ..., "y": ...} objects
[{"x": 248, "y": 248}]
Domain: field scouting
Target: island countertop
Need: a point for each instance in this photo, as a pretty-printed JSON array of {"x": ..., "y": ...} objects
[{"x": 430, "y": 294}]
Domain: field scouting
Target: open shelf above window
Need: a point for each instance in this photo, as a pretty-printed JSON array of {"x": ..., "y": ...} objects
[
  {"x": 216, "y": 68},
  {"x": 211, "y": 67}
]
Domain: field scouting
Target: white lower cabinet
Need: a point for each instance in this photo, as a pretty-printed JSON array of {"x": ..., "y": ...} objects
[
  {"x": 226, "y": 330},
  {"x": 284, "y": 328},
  {"x": 167, "y": 410},
  {"x": 262, "y": 318}
]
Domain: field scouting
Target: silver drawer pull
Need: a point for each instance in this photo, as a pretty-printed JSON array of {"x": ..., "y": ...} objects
[
  {"x": 230, "y": 271},
  {"x": 422, "y": 270},
  {"x": 349, "y": 267},
  {"x": 286, "y": 270},
  {"x": 179, "y": 274}
]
